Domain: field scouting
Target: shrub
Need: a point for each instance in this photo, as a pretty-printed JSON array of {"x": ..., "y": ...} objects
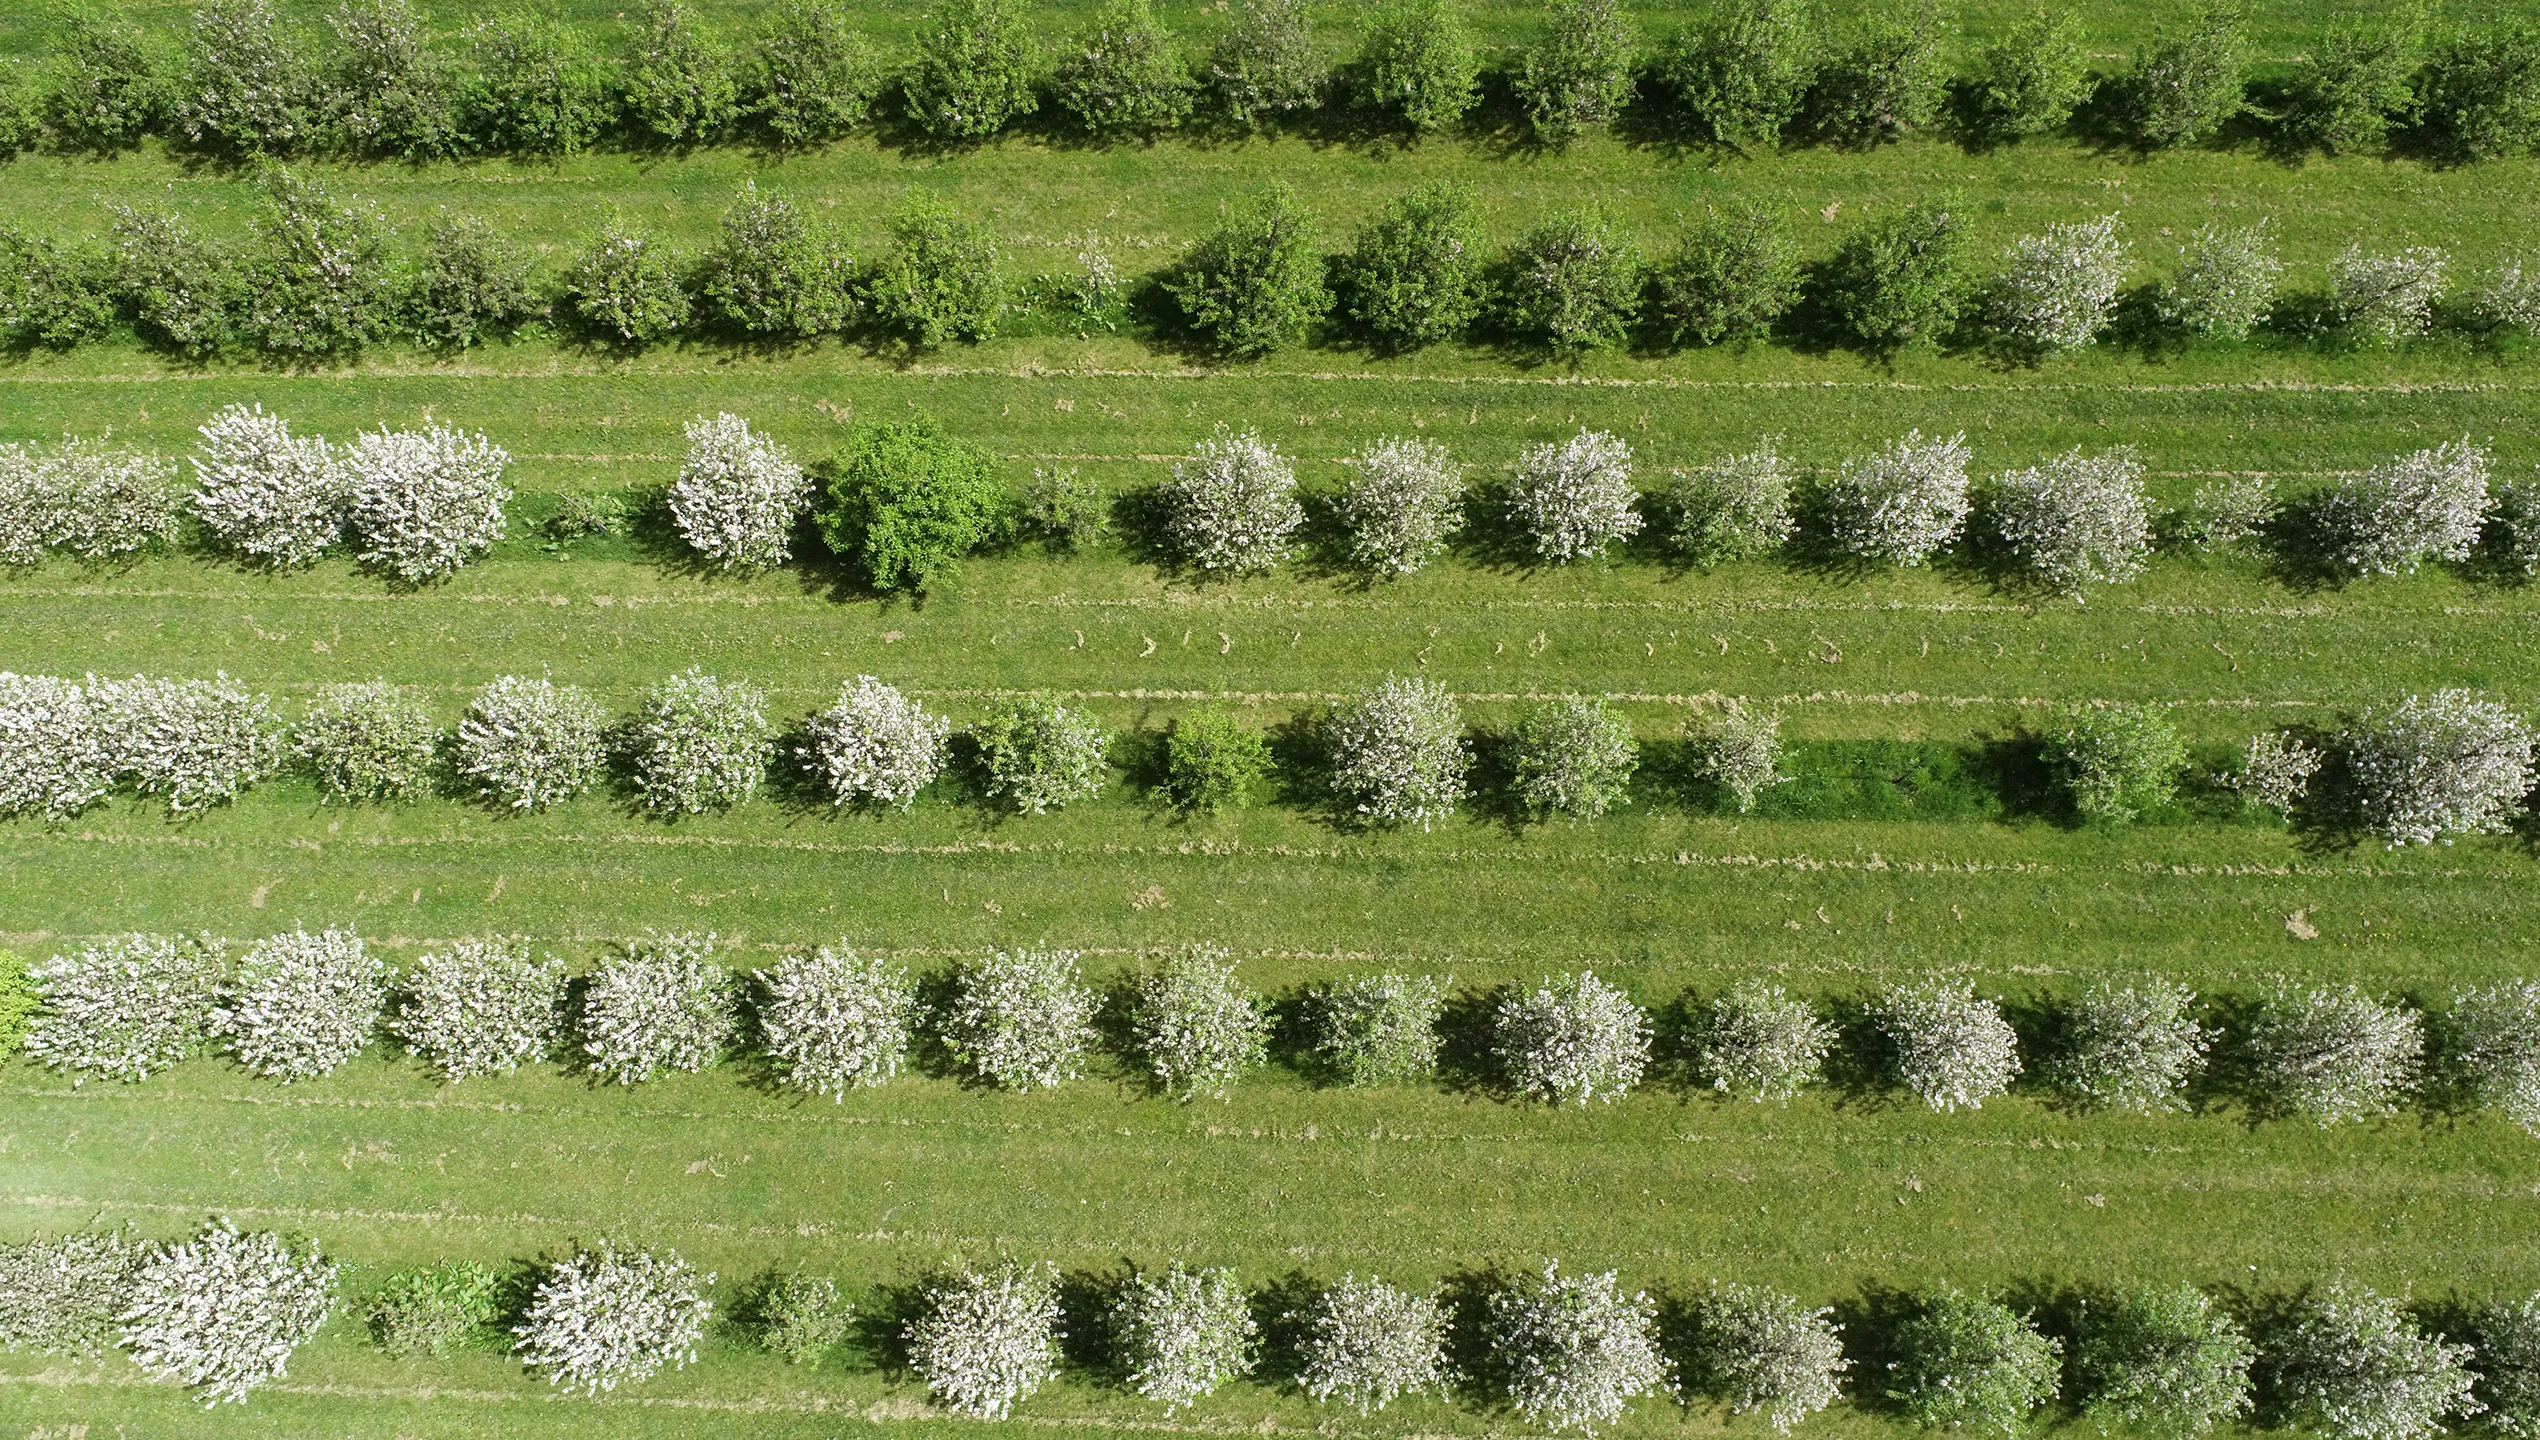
[
  {"x": 1183, "y": 1332},
  {"x": 907, "y": 499},
  {"x": 606, "y": 1317},
  {"x": 435, "y": 1309},
  {"x": 974, "y": 71},
  {"x": 318, "y": 275},
  {"x": 61, "y": 1296},
  {"x": 365, "y": 741},
  {"x": 470, "y": 286},
  {"x": 1761, "y": 1043},
  {"x": 661, "y": 1004},
  {"x": 1572, "y": 283},
  {"x": 1367, "y": 1343},
  {"x": 1731, "y": 278},
  {"x": 987, "y": 1339},
  {"x": 2481, "y": 93},
  {"x": 1418, "y": 60},
  {"x": 626, "y": 289},
  {"x": 539, "y": 89},
  {"x": 2350, "y": 1364},
  {"x": 1039, "y": 755},
  {"x": 835, "y": 1021},
  {"x": 802, "y": 1318},
  {"x": 2432, "y": 767},
  {"x": 300, "y": 1005},
  {"x": 2161, "y": 1357},
  {"x": 1579, "y": 75},
  {"x": 1376, "y": 1028},
  {"x": 680, "y": 88},
  {"x": 2226, "y": 281},
  {"x": 107, "y": 91},
  {"x": 2334, "y": 1055},
  {"x": 1572, "y": 756},
  {"x": 200, "y": 743},
  {"x": 2229, "y": 511},
  {"x": 87, "y": 498},
  {"x": 1736, "y": 507},
  {"x": 1263, "y": 63},
  {"x": 426, "y": 502},
  {"x": 1575, "y": 499},
  {"x": 1232, "y": 506},
  {"x": 57, "y": 757},
  {"x": 2493, "y": 1040},
  {"x": 2031, "y": 80},
  {"x": 20, "y": 123},
  {"x": 580, "y": 514},
  {"x": 1967, "y": 1362},
  {"x": 1397, "y": 752},
  {"x": 2275, "y": 771},
  {"x": 2133, "y": 1047},
  {"x": 1741, "y": 750},
  {"x": 2186, "y": 84},
  {"x": 738, "y": 495},
  {"x": 875, "y": 746},
  {"x": 2410, "y": 509},
  {"x": 245, "y": 90},
  {"x": 812, "y": 77},
  {"x": 387, "y": 95},
  {"x": 1212, "y": 761},
  {"x": 1063, "y": 508},
  {"x": 125, "y": 1007},
  {"x": 2509, "y": 1366},
  {"x": 1573, "y": 1352},
  {"x": 222, "y": 1312},
  {"x": 1898, "y": 282},
  {"x": 2387, "y": 298},
  {"x": 1951, "y": 1048},
  {"x": 1889, "y": 79},
  {"x": 2508, "y": 296},
  {"x": 17, "y": 1009},
  {"x": 2077, "y": 520},
  {"x": 1573, "y": 1039},
  {"x": 1020, "y": 1019},
  {"x": 481, "y": 1007},
  {"x": 53, "y": 295},
  {"x": 265, "y": 494},
  {"x": 180, "y": 290},
  {"x": 2117, "y": 761},
  {"x": 1900, "y": 504},
  {"x": 942, "y": 279},
  {"x": 529, "y": 744},
  {"x": 700, "y": 743},
  {"x": 1400, "y": 508},
  {"x": 1255, "y": 282},
  {"x": 2359, "y": 75},
  {"x": 1413, "y": 275},
  {"x": 1123, "y": 75},
  {"x": 1759, "y": 1349},
  {"x": 1197, "y": 1027},
  {"x": 772, "y": 272},
  {"x": 2058, "y": 288},
  {"x": 1742, "y": 70}
]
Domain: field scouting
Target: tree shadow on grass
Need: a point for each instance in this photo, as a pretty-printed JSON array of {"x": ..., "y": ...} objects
[
  {"x": 1870, "y": 1322},
  {"x": 1468, "y": 1058},
  {"x": 878, "y": 1333},
  {"x": 1283, "y": 1311}
]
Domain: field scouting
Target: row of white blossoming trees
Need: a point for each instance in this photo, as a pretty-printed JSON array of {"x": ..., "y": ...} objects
[
  {"x": 298, "y": 1006},
  {"x": 223, "y": 1312}
]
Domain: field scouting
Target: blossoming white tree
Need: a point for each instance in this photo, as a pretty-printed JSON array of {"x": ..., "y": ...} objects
[
  {"x": 1404, "y": 503},
  {"x": 609, "y": 1317},
  {"x": 2226, "y": 281},
  {"x": 222, "y": 1312},
  {"x": 875, "y": 746},
  {"x": 481, "y": 1007},
  {"x": 87, "y": 498},
  {"x": 2058, "y": 287},
  {"x": 1759, "y": 1349},
  {"x": 835, "y": 1021},
  {"x": 530, "y": 743},
  {"x": 367, "y": 740},
  {"x": 425, "y": 502},
  {"x": 1573, "y": 1352},
  {"x": 2133, "y": 1047},
  {"x": 2335, "y": 1055},
  {"x": 2435, "y": 766},
  {"x": 60, "y": 1295},
  {"x": 664, "y": 1003},
  {"x": 1762, "y": 1043},
  {"x": 1368, "y": 1343},
  {"x": 199, "y": 743},
  {"x": 1900, "y": 504},
  {"x": 738, "y": 495},
  {"x": 1740, "y": 746},
  {"x": 1020, "y": 1019},
  {"x": 1572, "y": 1039},
  {"x": 1196, "y": 1025},
  {"x": 125, "y": 1007},
  {"x": 1574, "y": 499},
  {"x": 1232, "y": 506},
  {"x": 266, "y": 494},
  {"x": 2353, "y": 1366},
  {"x": 1397, "y": 752},
  {"x": 2411, "y": 509},
  {"x": 2493, "y": 1038},
  {"x": 987, "y": 1338},
  {"x": 700, "y": 743},
  {"x": 300, "y": 1005},
  {"x": 2078, "y": 520},
  {"x": 1951, "y": 1048},
  {"x": 1182, "y": 1333},
  {"x": 57, "y": 756},
  {"x": 2388, "y": 297}
]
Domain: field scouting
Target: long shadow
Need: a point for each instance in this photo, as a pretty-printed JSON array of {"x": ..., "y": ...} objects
[
  {"x": 878, "y": 1333},
  {"x": 1480, "y": 1372},
  {"x": 1283, "y": 1314},
  {"x": 1870, "y": 1323},
  {"x": 1089, "y": 1335},
  {"x": 1468, "y": 1059}
]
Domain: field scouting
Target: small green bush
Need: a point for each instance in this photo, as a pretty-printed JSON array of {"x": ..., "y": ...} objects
[
  {"x": 1255, "y": 282},
  {"x": 1578, "y": 77},
  {"x": 437, "y": 1309},
  {"x": 1419, "y": 62},
  {"x": 387, "y": 94},
  {"x": 1263, "y": 65},
  {"x": 907, "y": 499},
  {"x": 470, "y": 285},
  {"x": 974, "y": 71},
  {"x": 812, "y": 77},
  {"x": 51, "y": 294},
  {"x": 1039, "y": 755},
  {"x": 1899, "y": 282},
  {"x": 539, "y": 90},
  {"x": 627, "y": 290},
  {"x": 21, "y": 116},
  {"x": 1123, "y": 75},
  {"x": 2482, "y": 91},
  {"x": 1572, "y": 284},
  {"x": 773, "y": 272},
  {"x": 17, "y": 1002},
  {"x": 1414, "y": 274},
  {"x": 801, "y": 1318},
  {"x": 1742, "y": 72},
  {"x": 107, "y": 89},
  {"x": 1730, "y": 278},
  {"x": 179, "y": 288},
  {"x": 944, "y": 278},
  {"x": 680, "y": 86},
  {"x": 2032, "y": 79},
  {"x": 2359, "y": 76},
  {"x": 318, "y": 278},
  {"x": 1212, "y": 761},
  {"x": 1965, "y": 1362},
  {"x": 1887, "y": 81},
  {"x": 2188, "y": 83},
  {"x": 1064, "y": 510},
  {"x": 2117, "y": 761}
]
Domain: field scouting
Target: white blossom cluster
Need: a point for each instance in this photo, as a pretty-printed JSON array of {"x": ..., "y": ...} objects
[
  {"x": 1575, "y": 1351},
  {"x": 1020, "y": 1019},
  {"x": 125, "y": 1007},
  {"x": 1762, "y": 1043},
  {"x": 1397, "y": 751},
  {"x": 223, "y": 1311},
  {"x": 1375, "y": 1028},
  {"x": 1232, "y": 506},
  {"x": 84, "y": 498},
  {"x": 2275, "y": 771},
  {"x": 1901, "y": 504},
  {"x": 1952, "y": 1048},
  {"x": 2509, "y": 1367},
  {"x": 737, "y": 495},
  {"x": 425, "y": 502},
  {"x": 2494, "y": 1045},
  {"x": 834, "y": 1021},
  {"x": 56, "y": 754},
  {"x": 200, "y": 743},
  {"x": 1572, "y": 1039},
  {"x": 481, "y": 1007},
  {"x": 60, "y": 1296},
  {"x": 1759, "y": 1349},
  {"x": 2228, "y": 511},
  {"x": 2058, "y": 288},
  {"x": 299, "y": 1005},
  {"x": 2352, "y": 1365},
  {"x": 531, "y": 743},
  {"x": 2388, "y": 297},
  {"x": 2335, "y": 1055},
  {"x": 1575, "y": 499},
  {"x": 1196, "y": 1025},
  {"x": 365, "y": 740},
  {"x": 1183, "y": 1333},
  {"x": 665, "y": 1003},
  {"x": 1741, "y": 748},
  {"x": 1368, "y": 1343},
  {"x": 1735, "y": 507},
  {"x": 2078, "y": 520},
  {"x": 1040, "y": 755},
  {"x": 273, "y": 497},
  {"x": 876, "y": 746},
  {"x": 606, "y": 1317},
  {"x": 987, "y": 1339},
  {"x": 2415, "y": 508},
  {"x": 1573, "y": 756},
  {"x": 2509, "y": 295},
  {"x": 2225, "y": 283},
  {"x": 2431, "y": 767},
  {"x": 700, "y": 743},
  {"x": 1401, "y": 507},
  {"x": 2133, "y": 1047}
]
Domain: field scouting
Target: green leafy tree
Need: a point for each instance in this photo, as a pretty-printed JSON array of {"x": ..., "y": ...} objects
[
  {"x": 1212, "y": 761},
  {"x": 812, "y": 76},
  {"x": 772, "y": 271},
  {"x": 2118, "y": 761},
  {"x": 907, "y": 499},
  {"x": 680, "y": 86},
  {"x": 52, "y": 294},
  {"x": 1414, "y": 273},
  {"x": 107, "y": 90},
  {"x": 1900, "y": 281},
  {"x": 318, "y": 280},
  {"x": 2362, "y": 74},
  {"x": 2189, "y": 82},
  {"x": 1887, "y": 81},
  {"x": 246, "y": 90},
  {"x": 17, "y": 1002},
  {"x": 1255, "y": 282},
  {"x": 974, "y": 71},
  {"x": 1263, "y": 65},
  {"x": 1123, "y": 75},
  {"x": 2163, "y": 1358},
  {"x": 539, "y": 90},
  {"x": 2031, "y": 80},
  {"x": 386, "y": 92},
  {"x": 21, "y": 117},
  {"x": 1965, "y": 1362},
  {"x": 1742, "y": 71},
  {"x": 1418, "y": 61},
  {"x": 1572, "y": 283},
  {"x": 1730, "y": 278},
  {"x": 470, "y": 285},
  {"x": 626, "y": 289},
  {"x": 944, "y": 278},
  {"x": 2482, "y": 90},
  {"x": 180, "y": 289},
  {"x": 1579, "y": 75}
]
